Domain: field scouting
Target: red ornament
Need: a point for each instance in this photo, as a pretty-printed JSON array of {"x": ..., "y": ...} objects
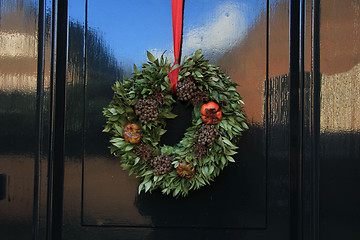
[
  {"x": 132, "y": 133},
  {"x": 211, "y": 113}
]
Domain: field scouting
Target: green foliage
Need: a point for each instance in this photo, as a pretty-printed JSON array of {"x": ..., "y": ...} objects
[{"x": 152, "y": 77}]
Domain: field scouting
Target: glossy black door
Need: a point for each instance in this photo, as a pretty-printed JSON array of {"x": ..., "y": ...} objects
[
  {"x": 206, "y": 207},
  {"x": 297, "y": 66},
  {"x": 18, "y": 84},
  {"x": 296, "y": 174},
  {"x": 25, "y": 86},
  {"x": 330, "y": 128},
  {"x": 339, "y": 120},
  {"x": 104, "y": 42}
]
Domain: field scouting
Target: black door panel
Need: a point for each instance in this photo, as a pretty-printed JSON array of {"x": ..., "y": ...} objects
[{"x": 237, "y": 199}]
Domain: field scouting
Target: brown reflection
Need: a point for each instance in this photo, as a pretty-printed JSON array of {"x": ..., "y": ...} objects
[
  {"x": 17, "y": 206},
  {"x": 114, "y": 195},
  {"x": 18, "y": 52},
  {"x": 339, "y": 140},
  {"x": 18, "y": 81},
  {"x": 246, "y": 63},
  {"x": 340, "y": 101},
  {"x": 339, "y": 36},
  {"x": 340, "y": 68}
]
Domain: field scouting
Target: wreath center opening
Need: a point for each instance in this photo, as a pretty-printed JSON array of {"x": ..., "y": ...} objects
[{"x": 176, "y": 127}]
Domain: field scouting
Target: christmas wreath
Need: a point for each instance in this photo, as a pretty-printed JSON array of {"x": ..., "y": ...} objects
[{"x": 137, "y": 115}]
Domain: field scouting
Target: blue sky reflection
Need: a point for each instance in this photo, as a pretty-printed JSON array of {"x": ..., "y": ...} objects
[{"x": 130, "y": 28}]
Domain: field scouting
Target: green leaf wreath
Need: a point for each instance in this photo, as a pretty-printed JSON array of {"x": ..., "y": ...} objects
[{"x": 137, "y": 115}]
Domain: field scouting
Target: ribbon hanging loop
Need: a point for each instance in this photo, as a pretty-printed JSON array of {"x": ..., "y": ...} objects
[{"x": 177, "y": 21}]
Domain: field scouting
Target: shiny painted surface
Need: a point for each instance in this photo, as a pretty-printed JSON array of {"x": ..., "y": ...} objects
[
  {"x": 278, "y": 85},
  {"x": 339, "y": 151},
  {"x": 26, "y": 51},
  {"x": 254, "y": 50},
  {"x": 45, "y": 106},
  {"x": 233, "y": 35},
  {"x": 105, "y": 182},
  {"x": 18, "y": 85},
  {"x": 310, "y": 129},
  {"x": 74, "y": 122}
]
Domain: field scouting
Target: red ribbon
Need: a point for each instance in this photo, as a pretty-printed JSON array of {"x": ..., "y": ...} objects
[{"x": 177, "y": 15}]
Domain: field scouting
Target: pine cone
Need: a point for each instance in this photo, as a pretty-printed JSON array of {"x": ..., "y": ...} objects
[
  {"x": 144, "y": 151},
  {"x": 207, "y": 135},
  {"x": 199, "y": 150},
  {"x": 158, "y": 97},
  {"x": 161, "y": 164},
  {"x": 199, "y": 97},
  {"x": 147, "y": 110},
  {"x": 186, "y": 89}
]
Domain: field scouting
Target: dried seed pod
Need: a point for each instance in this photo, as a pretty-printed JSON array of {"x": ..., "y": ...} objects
[
  {"x": 199, "y": 96},
  {"x": 143, "y": 151},
  {"x": 161, "y": 164},
  {"x": 186, "y": 89},
  {"x": 147, "y": 109},
  {"x": 158, "y": 97},
  {"x": 207, "y": 135},
  {"x": 199, "y": 150}
]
